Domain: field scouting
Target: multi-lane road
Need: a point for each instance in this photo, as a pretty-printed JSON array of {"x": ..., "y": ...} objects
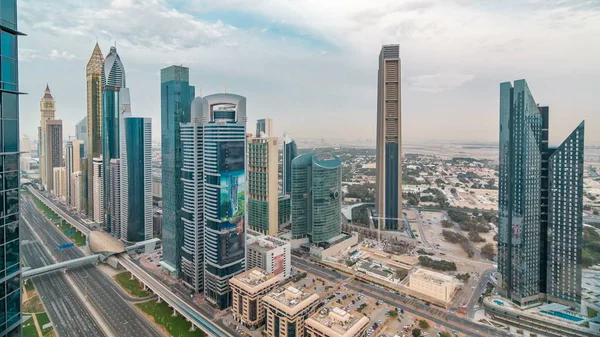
[
  {"x": 124, "y": 320},
  {"x": 69, "y": 315},
  {"x": 413, "y": 306}
]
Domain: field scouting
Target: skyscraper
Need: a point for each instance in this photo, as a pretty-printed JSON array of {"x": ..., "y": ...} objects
[
  {"x": 98, "y": 186},
  {"x": 223, "y": 118},
  {"x": 113, "y": 85},
  {"x": 136, "y": 180},
  {"x": 388, "y": 185},
  {"x": 77, "y": 191},
  {"x": 47, "y": 111},
  {"x": 94, "y": 143},
  {"x": 10, "y": 283},
  {"x": 81, "y": 134},
  {"x": 114, "y": 203},
  {"x": 290, "y": 151},
  {"x": 176, "y": 96},
  {"x": 53, "y": 152},
  {"x": 59, "y": 176},
  {"x": 540, "y": 204},
  {"x": 263, "y": 186},
  {"x": 73, "y": 157},
  {"x": 316, "y": 199}
]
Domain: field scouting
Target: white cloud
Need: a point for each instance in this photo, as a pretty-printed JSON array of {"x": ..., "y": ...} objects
[
  {"x": 438, "y": 82},
  {"x": 56, "y": 55}
]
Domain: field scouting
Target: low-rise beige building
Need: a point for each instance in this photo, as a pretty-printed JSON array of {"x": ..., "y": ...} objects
[
  {"x": 336, "y": 322},
  {"x": 286, "y": 310},
  {"x": 248, "y": 288},
  {"x": 433, "y": 284}
]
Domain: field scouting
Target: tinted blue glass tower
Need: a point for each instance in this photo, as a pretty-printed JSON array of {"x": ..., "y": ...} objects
[
  {"x": 10, "y": 279},
  {"x": 540, "y": 203},
  {"x": 176, "y": 97},
  {"x": 113, "y": 81},
  {"x": 223, "y": 118},
  {"x": 388, "y": 185},
  {"x": 290, "y": 151}
]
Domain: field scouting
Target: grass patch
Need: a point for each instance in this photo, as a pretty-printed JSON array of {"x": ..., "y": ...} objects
[
  {"x": 43, "y": 319},
  {"x": 25, "y": 191},
  {"x": 132, "y": 286},
  {"x": 592, "y": 312},
  {"x": 65, "y": 227},
  {"x": 176, "y": 326},
  {"x": 28, "y": 329},
  {"x": 29, "y": 286},
  {"x": 33, "y": 305}
]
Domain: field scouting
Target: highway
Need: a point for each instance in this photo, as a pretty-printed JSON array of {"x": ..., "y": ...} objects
[
  {"x": 67, "y": 312},
  {"x": 410, "y": 305},
  {"x": 485, "y": 278},
  {"x": 123, "y": 318}
]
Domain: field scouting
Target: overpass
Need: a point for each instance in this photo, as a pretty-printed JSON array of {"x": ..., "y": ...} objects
[
  {"x": 179, "y": 306},
  {"x": 28, "y": 272},
  {"x": 76, "y": 224}
]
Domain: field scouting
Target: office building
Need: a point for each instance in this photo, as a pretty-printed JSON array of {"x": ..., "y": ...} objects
[
  {"x": 284, "y": 211},
  {"x": 53, "y": 152},
  {"x": 47, "y": 112},
  {"x": 287, "y": 308},
  {"x": 388, "y": 181},
  {"x": 114, "y": 202},
  {"x": 157, "y": 223},
  {"x": 435, "y": 285},
  {"x": 263, "y": 180},
  {"x": 59, "y": 176},
  {"x": 290, "y": 151},
  {"x": 540, "y": 204},
  {"x": 82, "y": 135},
  {"x": 93, "y": 75},
  {"x": 223, "y": 119},
  {"x": 176, "y": 96},
  {"x": 115, "y": 105},
  {"x": 73, "y": 157},
  {"x": 316, "y": 201},
  {"x": 333, "y": 321},
  {"x": 26, "y": 146},
  {"x": 98, "y": 186},
  {"x": 192, "y": 178},
  {"x": 247, "y": 289},
  {"x": 136, "y": 179},
  {"x": 269, "y": 253},
  {"x": 157, "y": 189},
  {"x": 264, "y": 127},
  {"x": 77, "y": 191},
  {"x": 10, "y": 282}
]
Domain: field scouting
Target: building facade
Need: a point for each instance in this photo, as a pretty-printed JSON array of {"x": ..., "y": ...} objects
[
  {"x": 10, "y": 297},
  {"x": 136, "y": 180},
  {"x": 59, "y": 176},
  {"x": 98, "y": 183},
  {"x": 176, "y": 97},
  {"x": 284, "y": 211},
  {"x": 290, "y": 151},
  {"x": 263, "y": 180},
  {"x": 53, "y": 153},
  {"x": 388, "y": 184},
  {"x": 333, "y": 321},
  {"x": 77, "y": 191},
  {"x": 74, "y": 155},
  {"x": 436, "y": 285},
  {"x": 540, "y": 203},
  {"x": 287, "y": 308},
  {"x": 115, "y": 99},
  {"x": 223, "y": 118},
  {"x": 114, "y": 202},
  {"x": 316, "y": 200},
  {"x": 248, "y": 288},
  {"x": 93, "y": 75},
  {"x": 269, "y": 253},
  {"x": 47, "y": 112},
  {"x": 81, "y": 134},
  {"x": 264, "y": 127}
]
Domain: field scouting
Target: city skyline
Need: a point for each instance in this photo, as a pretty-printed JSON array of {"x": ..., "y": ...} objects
[{"x": 333, "y": 58}]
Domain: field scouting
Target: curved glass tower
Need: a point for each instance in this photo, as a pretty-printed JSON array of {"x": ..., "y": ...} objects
[
  {"x": 290, "y": 151},
  {"x": 316, "y": 197}
]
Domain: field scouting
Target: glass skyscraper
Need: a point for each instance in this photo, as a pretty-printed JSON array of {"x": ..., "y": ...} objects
[
  {"x": 540, "y": 202},
  {"x": 223, "y": 196},
  {"x": 388, "y": 185},
  {"x": 176, "y": 95},
  {"x": 10, "y": 271},
  {"x": 316, "y": 197},
  {"x": 93, "y": 120},
  {"x": 290, "y": 151}
]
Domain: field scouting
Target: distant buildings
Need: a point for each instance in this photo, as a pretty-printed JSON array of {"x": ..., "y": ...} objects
[
  {"x": 77, "y": 191},
  {"x": 59, "y": 182},
  {"x": 316, "y": 200},
  {"x": 248, "y": 289},
  {"x": 176, "y": 95},
  {"x": 136, "y": 179},
  {"x": 47, "y": 112},
  {"x": 388, "y": 187},
  {"x": 290, "y": 151},
  {"x": 25, "y": 153},
  {"x": 263, "y": 186},
  {"x": 269, "y": 253},
  {"x": 223, "y": 118},
  {"x": 333, "y": 321},
  {"x": 287, "y": 308},
  {"x": 540, "y": 204},
  {"x": 93, "y": 74},
  {"x": 53, "y": 152},
  {"x": 98, "y": 185},
  {"x": 73, "y": 158},
  {"x": 82, "y": 135}
]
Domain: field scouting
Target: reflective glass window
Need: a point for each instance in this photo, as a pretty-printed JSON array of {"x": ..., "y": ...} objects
[
  {"x": 8, "y": 72},
  {"x": 8, "y": 13},
  {"x": 11, "y": 162},
  {"x": 12, "y": 253},
  {"x": 11, "y": 135},
  {"x": 9, "y": 45},
  {"x": 10, "y": 105}
]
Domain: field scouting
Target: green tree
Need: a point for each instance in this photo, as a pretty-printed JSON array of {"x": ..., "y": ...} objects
[
  {"x": 416, "y": 332},
  {"x": 423, "y": 324},
  {"x": 487, "y": 251}
]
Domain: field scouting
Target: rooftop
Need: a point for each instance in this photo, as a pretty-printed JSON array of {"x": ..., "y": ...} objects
[
  {"x": 289, "y": 296},
  {"x": 338, "y": 320},
  {"x": 254, "y": 277},
  {"x": 432, "y": 276}
]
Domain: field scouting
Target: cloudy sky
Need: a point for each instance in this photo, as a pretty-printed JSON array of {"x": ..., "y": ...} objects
[{"x": 311, "y": 65}]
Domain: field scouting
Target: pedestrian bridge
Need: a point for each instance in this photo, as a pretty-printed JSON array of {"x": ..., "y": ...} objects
[{"x": 28, "y": 272}]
